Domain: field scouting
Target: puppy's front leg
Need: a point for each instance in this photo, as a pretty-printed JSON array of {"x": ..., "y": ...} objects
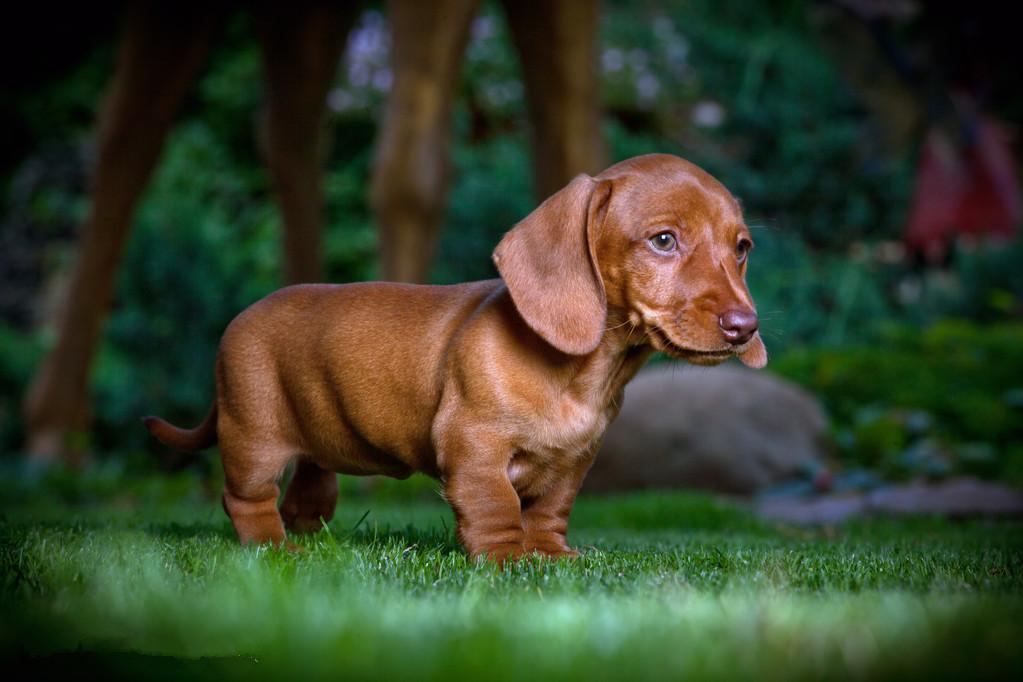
[
  {"x": 487, "y": 512},
  {"x": 545, "y": 517},
  {"x": 487, "y": 508}
]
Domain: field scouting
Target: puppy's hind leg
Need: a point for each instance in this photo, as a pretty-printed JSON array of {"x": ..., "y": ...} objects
[
  {"x": 311, "y": 496},
  {"x": 251, "y": 491}
]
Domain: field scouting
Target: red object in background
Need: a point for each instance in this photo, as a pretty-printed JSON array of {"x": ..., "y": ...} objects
[{"x": 970, "y": 190}]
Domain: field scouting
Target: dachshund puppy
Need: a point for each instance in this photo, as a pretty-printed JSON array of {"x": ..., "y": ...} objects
[{"x": 500, "y": 389}]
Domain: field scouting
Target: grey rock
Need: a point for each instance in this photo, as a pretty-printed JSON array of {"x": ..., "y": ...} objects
[
  {"x": 957, "y": 497},
  {"x": 725, "y": 429},
  {"x": 954, "y": 497},
  {"x": 827, "y": 509}
]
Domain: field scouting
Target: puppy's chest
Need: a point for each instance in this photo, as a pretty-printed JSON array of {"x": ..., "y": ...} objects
[
  {"x": 570, "y": 423},
  {"x": 558, "y": 439}
]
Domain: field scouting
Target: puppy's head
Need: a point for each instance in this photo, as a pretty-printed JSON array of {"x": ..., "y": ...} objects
[{"x": 653, "y": 237}]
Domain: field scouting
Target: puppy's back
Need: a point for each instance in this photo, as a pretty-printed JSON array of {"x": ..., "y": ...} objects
[{"x": 368, "y": 354}]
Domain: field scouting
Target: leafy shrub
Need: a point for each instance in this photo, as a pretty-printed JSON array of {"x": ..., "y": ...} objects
[
  {"x": 19, "y": 355},
  {"x": 957, "y": 382}
]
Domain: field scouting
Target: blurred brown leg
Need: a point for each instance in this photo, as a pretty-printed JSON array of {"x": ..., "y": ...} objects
[
  {"x": 410, "y": 175},
  {"x": 162, "y": 48},
  {"x": 302, "y": 45},
  {"x": 556, "y": 40}
]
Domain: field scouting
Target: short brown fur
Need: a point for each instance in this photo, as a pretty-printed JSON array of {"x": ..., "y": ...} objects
[{"x": 501, "y": 389}]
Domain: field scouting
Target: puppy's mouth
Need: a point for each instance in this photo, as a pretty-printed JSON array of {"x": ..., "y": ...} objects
[{"x": 660, "y": 340}]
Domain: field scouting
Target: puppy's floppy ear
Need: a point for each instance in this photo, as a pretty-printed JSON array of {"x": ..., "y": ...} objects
[{"x": 549, "y": 265}]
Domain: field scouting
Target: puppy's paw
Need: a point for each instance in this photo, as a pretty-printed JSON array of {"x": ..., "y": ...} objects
[
  {"x": 300, "y": 523},
  {"x": 500, "y": 553},
  {"x": 306, "y": 515},
  {"x": 551, "y": 550}
]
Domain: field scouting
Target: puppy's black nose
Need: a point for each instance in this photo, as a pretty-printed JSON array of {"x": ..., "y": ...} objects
[{"x": 738, "y": 325}]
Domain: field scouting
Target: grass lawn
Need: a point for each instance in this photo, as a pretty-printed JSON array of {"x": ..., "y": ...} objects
[{"x": 146, "y": 579}]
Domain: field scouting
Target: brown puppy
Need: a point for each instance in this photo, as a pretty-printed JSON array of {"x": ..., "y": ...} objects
[{"x": 502, "y": 389}]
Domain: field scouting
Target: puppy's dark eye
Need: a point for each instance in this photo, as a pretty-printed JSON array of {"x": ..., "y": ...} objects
[
  {"x": 742, "y": 250},
  {"x": 663, "y": 241}
]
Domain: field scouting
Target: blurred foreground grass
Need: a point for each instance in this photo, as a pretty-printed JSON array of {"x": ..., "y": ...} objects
[{"x": 145, "y": 579}]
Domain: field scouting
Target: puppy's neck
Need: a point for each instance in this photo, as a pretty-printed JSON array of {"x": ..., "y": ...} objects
[{"x": 623, "y": 350}]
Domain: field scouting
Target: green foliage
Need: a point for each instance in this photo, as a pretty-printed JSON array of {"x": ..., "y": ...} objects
[
  {"x": 812, "y": 298},
  {"x": 984, "y": 282},
  {"x": 19, "y": 356},
  {"x": 668, "y": 586},
  {"x": 956, "y": 382}
]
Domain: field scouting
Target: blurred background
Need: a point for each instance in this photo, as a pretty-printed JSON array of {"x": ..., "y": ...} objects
[{"x": 872, "y": 144}]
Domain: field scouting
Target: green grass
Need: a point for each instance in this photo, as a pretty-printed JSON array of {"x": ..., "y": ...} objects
[{"x": 146, "y": 579}]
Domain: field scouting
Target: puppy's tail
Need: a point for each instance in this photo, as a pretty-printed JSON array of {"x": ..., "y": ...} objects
[{"x": 202, "y": 436}]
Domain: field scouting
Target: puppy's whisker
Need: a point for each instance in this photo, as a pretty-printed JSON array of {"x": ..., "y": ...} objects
[
  {"x": 617, "y": 326},
  {"x": 628, "y": 337}
]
